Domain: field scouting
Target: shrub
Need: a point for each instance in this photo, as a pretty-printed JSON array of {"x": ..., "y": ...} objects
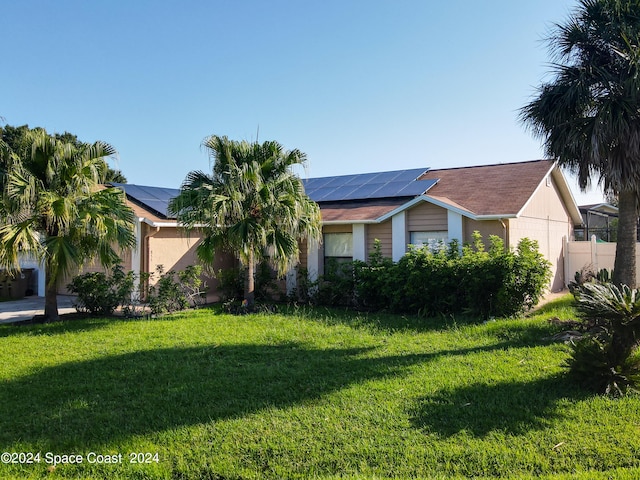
[
  {"x": 588, "y": 274},
  {"x": 99, "y": 293},
  {"x": 606, "y": 358},
  {"x": 336, "y": 286},
  {"x": 266, "y": 288},
  {"x": 469, "y": 280},
  {"x": 230, "y": 283},
  {"x": 175, "y": 291},
  {"x": 372, "y": 280},
  {"x": 526, "y": 275}
]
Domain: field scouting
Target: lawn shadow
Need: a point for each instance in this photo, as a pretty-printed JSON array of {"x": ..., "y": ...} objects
[
  {"x": 67, "y": 323},
  {"x": 509, "y": 407},
  {"x": 85, "y": 404},
  {"x": 388, "y": 322}
]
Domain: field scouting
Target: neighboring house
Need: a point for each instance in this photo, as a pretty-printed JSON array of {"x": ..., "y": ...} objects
[
  {"x": 600, "y": 220},
  {"x": 160, "y": 240},
  {"x": 399, "y": 208}
]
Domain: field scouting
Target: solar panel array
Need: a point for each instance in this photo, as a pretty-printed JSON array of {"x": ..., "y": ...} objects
[
  {"x": 154, "y": 198},
  {"x": 399, "y": 183}
]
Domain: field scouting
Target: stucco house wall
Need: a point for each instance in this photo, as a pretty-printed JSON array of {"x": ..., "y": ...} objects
[
  {"x": 546, "y": 220},
  {"x": 486, "y": 228}
]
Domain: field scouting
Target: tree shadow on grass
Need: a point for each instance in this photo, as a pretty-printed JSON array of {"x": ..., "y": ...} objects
[
  {"x": 510, "y": 407},
  {"x": 68, "y": 323},
  {"x": 82, "y": 404}
]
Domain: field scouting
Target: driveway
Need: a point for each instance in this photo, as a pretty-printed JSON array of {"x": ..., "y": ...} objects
[{"x": 28, "y": 307}]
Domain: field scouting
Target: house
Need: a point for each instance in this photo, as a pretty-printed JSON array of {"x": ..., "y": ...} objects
[
  {"x": 512, "y": 200},
  {"x": 399, "y": 208}
]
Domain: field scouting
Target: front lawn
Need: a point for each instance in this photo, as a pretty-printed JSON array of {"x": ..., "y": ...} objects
[{"x": 306, "y": 394}]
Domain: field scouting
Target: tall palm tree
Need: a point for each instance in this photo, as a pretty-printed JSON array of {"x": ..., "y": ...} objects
[
  {"x": 251, "y": 204},
  {"x": 588, "y": 115},
  {"x": 54, "y": 209}
]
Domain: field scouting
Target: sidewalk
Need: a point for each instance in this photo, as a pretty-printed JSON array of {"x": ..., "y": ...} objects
[{"x": 28, "y": 307}]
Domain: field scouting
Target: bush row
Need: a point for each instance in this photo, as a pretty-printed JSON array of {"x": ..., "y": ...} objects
[
  {"x": 467, "y": 279},
  {"x": 101, "y": 293}
]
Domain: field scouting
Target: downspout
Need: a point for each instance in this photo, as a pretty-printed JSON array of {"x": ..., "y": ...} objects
[
  {"x": 147, "y": 255},
  {"x": 506, "y": 233}
]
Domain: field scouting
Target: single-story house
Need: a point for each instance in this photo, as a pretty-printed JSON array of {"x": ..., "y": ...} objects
[
  {"x": 512, "y": 200},
  {"x": 400, "y": 208}
]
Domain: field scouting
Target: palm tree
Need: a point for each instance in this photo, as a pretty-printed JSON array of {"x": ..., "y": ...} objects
[
  {"x": 588, "y": 116},
  {"x": 251, "y": 204},
  {"x": 54, "y": 209}
]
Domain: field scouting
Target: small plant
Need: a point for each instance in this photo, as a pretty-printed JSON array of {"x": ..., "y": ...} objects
[
  {"x": 168, "y": 294},
  {"x": 101, "y": 294},
  {"x": 230, "y": 283},
  {"x": 190, "y": 280},
  {"x": 587, "y": 274},
  {"x": 605, "y": 359}
]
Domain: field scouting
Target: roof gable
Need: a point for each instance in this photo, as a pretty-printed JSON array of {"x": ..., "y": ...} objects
[{"x": 501, "y": 189}]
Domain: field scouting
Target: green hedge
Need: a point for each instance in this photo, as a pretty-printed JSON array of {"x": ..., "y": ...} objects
[{"x": 469, "y": 279}]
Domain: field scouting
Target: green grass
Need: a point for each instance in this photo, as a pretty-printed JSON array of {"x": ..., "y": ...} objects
[{"x": 308, "y": 394}]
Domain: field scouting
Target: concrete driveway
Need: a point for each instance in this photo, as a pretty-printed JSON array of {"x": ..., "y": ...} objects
[{"x": 28, "y": 307}]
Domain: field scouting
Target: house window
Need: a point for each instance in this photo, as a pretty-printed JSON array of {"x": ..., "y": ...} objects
[
  {"x": 435, "y": 241},
  {"x": 338, "y": 248}
]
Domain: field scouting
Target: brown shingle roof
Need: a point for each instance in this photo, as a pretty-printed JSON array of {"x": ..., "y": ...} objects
[
  {"x": 490, "y": 189},
  {"x": 360, "y": 210}
]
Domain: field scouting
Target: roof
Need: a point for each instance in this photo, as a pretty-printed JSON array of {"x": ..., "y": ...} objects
[
  {"x": 500, "y": 189},
  {"x": 359, "y": 211},
  {"x": 153, "y": 199},
  {"x": 605, "y": 208},
  {"x": 481, "y": 192}
]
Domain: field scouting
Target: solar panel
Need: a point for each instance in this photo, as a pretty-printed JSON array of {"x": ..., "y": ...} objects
[
  {"x": 398, "y": 183},
  {"x": 417, "y": 188},
  {"x": 155, "y": 199}
]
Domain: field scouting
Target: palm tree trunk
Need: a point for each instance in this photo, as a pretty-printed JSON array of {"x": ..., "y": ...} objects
[
  {"x": 249, "y": 285},
  {"x": 50, "y": 298},
  {"x": 624, "y": 270}
]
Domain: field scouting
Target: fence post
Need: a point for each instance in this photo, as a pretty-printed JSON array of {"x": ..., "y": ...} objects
[
  {"x": 565, "y": 260},
  {"x": 594, "y": 253}
]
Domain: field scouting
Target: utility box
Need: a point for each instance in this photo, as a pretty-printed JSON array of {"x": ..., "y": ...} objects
[{"x": 15, "y": 286}]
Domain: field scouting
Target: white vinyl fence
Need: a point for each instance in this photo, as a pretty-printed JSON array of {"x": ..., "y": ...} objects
[{"x": 592, "y": 254}]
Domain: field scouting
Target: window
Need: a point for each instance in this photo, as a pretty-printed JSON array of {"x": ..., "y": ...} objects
[
  {"x": 338, "y": 248},
  {"x": 338, "y": 245},
  {"x": 435, "y": 241}
]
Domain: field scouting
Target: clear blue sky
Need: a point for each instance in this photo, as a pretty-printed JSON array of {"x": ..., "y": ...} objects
[{"x": 359, "y": 86}]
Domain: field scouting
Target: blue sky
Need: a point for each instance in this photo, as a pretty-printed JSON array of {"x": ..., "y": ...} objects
[{"x": 359, "y": 86}]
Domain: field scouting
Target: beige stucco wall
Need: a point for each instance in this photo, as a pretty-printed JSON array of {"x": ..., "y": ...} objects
[
  {"x": 486, "y": 229},
  {"x": 174, "y": 250},
  {"x": 546, "y": 220},
  {"x": 382, "y": 232},
  {"x": 94, "y": 266}
]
